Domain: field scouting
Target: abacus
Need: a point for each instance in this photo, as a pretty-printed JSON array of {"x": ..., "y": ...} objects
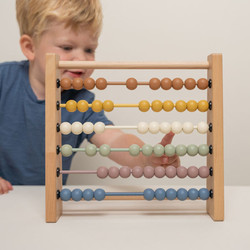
[{"x": 213, "y": 194}]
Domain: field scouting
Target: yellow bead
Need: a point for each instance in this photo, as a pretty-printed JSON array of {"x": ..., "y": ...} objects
[
  {"x": 168, "y": 105},
  {"x": 108, "y": 105},
  {"x": 144, "y": 105},
  {"x": 71, "y": 106},
  {"x": 203, "y": 105},
  {"x": 97, "y": 106},
  {"x": 82, "y": 106},
  {"x": 156, "y": 105},
  {"x": 192, "y": 105},
  {"x": 180, "y": 106}
]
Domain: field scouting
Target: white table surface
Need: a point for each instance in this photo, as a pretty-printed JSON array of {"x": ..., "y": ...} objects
[{"x": 123, "y": 224}]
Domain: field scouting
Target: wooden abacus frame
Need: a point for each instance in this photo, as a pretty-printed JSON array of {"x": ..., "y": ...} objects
[{"x": 53, "y": 159}]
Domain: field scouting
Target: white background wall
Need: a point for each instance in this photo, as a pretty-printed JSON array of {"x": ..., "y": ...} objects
[{"x": 144, "y": 30}]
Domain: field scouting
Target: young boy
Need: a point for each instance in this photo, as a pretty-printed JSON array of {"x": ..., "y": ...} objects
[{"x": 71, "y": 30}]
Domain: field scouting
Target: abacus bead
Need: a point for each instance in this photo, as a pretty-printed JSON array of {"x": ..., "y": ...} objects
[
  {"x": 90, "y": 150},
  {"x": 202, "y": 127},
  {"x": 202, "y": 83},
  {"x": 171, "y": 194},
  {"x": 71, "y": 106},
  {"x": 192, "y": 106},
  {"x": 99, "y": 127},
  {"x": 125, "y": 172},
  {"x": 76, "y": 128},
  {"x": 203, "y": 150},
  {"x": 147, "y": 149},
  {"x": 65, "y": 128},
  {"x": 101, "y": 83},
  {"x": 131, "y": 83},
  {"x": 65, "y": 194},
  {"x": 192, "y": 150},
  {"x": 188, "y": 127},
  {"x": 182, "y": 194},
  {"x": 165, "y": 127},
  {"x": 66, "y": 150},
  {"x": 180, "y": 106},
  {"x": 87, "y": 128},
  {"x": 144, "y": 105},
  {"x": 204, "y": 172},
  {"x": 190, "y": 83},
  {"x": 171, "y": 171},
  {"x": 89, "y": 83},
  {"x": 176, "y": 127},
  {"x": 170, "y": 150},
  {"x": 149, "y": 194},
  {"x": 156, "y": 105},
  {"x": 160, "y": 172},
  {"x": 159, "y": 150},
  {"x": 166, "y": 83},
  {"x": 181, "y": 150},
  {"x": 168, "y": 105},
  {"x": 82, "y": 106},
  {"x": 108, "y": 105},
  {"x": 193, "y": 194},
  {"x": 160, "y": 194},
  {"x": 114, "y": 172},
  {"x": 181, "y": 172},
  {"x": 104, "y": 150},
  {"x": 65, "y": 83},
  {"x": 193, "y": 172},
  {"x": 177, "y": 83},
  {"x": 154, "y": 83},
  {"x": 77, "y": 83},
  {"x": 142, "y": 127},
  {"x": 154, "y": 127},
  {"x": 102, "y": 172},
  {"x": 88, "y": 194},
  {"x": 99, "y": 194},
  {"x": 149, "y": 172},
  {"x": 76, "y": 194},
  {"x": 137, "y": 172},
  {"x": 203, "y": 105},
  {"x": 134, "y": 150},
  {"x": 204, "y": 194},
  {"x": 97, "y": 106}
]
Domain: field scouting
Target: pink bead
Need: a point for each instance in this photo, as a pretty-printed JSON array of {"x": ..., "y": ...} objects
[
  {"x": 149, "y": 172},
  {"x": 102, "y": 172},
  {"x": 193, "y": 172},
  {"x": 170, "y": 171},
  {"x": 125, "y": 172},
  {"x": 160, "y": 172},
  {"x": 137, "y": 172},
  {"x": 181, "y": 172},
  {"x": 114, "y": 172},
  {"x": 204, "y": 172}
]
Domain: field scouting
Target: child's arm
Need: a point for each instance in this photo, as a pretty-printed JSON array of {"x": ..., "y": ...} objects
[{"x": 5, "y": 186}]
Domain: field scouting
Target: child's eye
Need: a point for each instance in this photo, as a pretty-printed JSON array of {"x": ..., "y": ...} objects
[
  {"x": 66, "y": 48},
  {"x": 89, "y": 51}
]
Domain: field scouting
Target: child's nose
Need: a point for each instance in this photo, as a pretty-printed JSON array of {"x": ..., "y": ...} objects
[{"x": 80, "y": 56}]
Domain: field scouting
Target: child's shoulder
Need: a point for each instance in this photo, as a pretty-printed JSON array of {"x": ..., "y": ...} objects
[{"x": 14, "y": 65}]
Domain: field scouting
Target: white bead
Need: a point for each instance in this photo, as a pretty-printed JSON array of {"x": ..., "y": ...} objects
[
  {"x": 142, "y": 127},
  {"x": 65, "y": 128},
  {"x": 87, "y": 128},
  {"x": 76, "y": 128},
  {"x": 165, "y": 127},
  {"x": 176, "y": 127},
  {"x": 188, "y": 127},
  {"x": 154, "y": 127},
  {"x": 202, "y": 127},
  {"x": 99, "y": 127}
]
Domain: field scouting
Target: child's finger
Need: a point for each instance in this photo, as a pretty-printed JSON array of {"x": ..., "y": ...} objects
[{"x": 167, "y": 139}]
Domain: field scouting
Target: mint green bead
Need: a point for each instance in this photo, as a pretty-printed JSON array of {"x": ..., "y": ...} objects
[
  {"x": 91, "y": 150},
  {"x": 192, "y": 150},
  {"x": 203, "y": 149},
  {"x": 170, "y": 150},
  {"x": 104, "y": 150},
  {"x": 147, "y": 149},
  {"x": 134, "y": 150},
  {"x": 181, "y": 150},
  {"x": 159, "y": 150},
  {"x": 66, "y": 150}
]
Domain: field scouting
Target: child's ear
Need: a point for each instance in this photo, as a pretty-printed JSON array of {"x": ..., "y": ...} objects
[{"x": 27, "y": 47}]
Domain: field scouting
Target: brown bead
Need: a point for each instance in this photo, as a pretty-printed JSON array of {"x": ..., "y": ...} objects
[
  {"x": 177, "y": 83},
  {"x": 131, "y": 83},
  {"x": 89, "y": 83},
  {"x": 202, "y": 83},
  {"x": 101, "y": 83},
  {"x": 154, "y": 83},
  {"x": 65, "y": 83},
  {"x": 166, "y": 83},
  {"x": 190, "y": 83},
  {"x": 77, "y": 83}
]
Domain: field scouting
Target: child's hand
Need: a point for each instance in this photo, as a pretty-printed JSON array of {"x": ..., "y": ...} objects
[{"x": 5, "y": 186}]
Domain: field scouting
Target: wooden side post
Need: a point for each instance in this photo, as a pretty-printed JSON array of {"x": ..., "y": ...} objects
[
  {"x": 52, "y": 139},
  {"x": 215, "y": 206}
]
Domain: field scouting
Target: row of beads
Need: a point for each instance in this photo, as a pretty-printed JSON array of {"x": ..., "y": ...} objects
[
  {"x": 144, "y": 106},
  {"x": 142, "y": 127},
  {"x": 148, "y": 194},
  {"x": 134, "y": 150},
  {"x": 132, "y": 83}
]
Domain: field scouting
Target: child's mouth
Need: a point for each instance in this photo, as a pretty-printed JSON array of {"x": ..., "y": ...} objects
[{"x": 74, "y": 74}]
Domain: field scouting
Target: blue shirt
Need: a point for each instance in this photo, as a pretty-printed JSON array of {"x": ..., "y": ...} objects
[{"x": 22, "y": 126}]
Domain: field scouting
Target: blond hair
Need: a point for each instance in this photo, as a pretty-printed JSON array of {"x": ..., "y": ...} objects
[{"x": 35, "y": 16}]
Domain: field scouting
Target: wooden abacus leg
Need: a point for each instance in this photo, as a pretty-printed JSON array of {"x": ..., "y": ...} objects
[
  {"x": 52, "y": 139},
  {"x": 215, "y": 206}
]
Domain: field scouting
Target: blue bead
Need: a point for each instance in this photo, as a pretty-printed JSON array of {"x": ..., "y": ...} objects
[
  {"x": 65, "y": 194},
  {"x": 182, "y": 194},
  {"x": 77, "y": 194},
  {"x": 149, "y": 194},
  {"x": 204, "y": 193},
  {"x": 99, "y": 194},
  {"x": 160, "y": 194},
  {"x": 193, "y": 194},
  {"x": 171, "y": 194},
  {"x": 88, "y": 194}
]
